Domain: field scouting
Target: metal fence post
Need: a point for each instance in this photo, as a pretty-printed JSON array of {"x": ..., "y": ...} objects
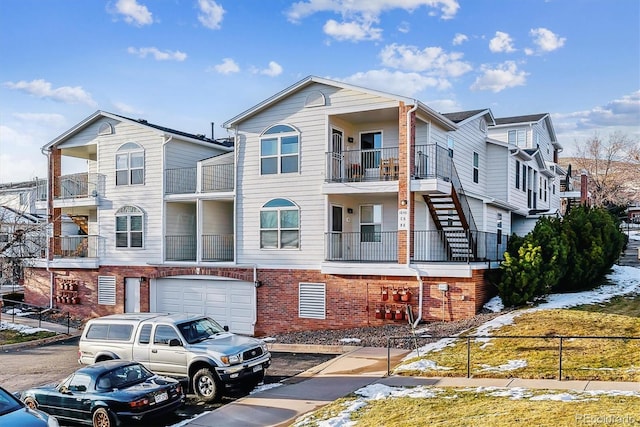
[
  {"x": 388, "y": 356},
  {"x": 560, "y": 361},
  {"x": 468, "y": 357},
  {"x": 68, "y": 323},
  {"x": 39, "y": 318}
]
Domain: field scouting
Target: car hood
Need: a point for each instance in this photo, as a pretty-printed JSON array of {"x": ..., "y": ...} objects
[
  {"x": 227, "y": 343},
  {"x": 25, "y": 417}
]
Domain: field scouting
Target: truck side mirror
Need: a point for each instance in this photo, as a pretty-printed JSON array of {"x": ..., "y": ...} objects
[
  {"x": 174, "y": 342},
  {"x": 226, "y": 328}
]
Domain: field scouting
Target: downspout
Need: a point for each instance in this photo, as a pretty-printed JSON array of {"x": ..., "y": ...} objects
[
  {"x": 48, "y": 213},
  {"x": 409, "y": 218}
]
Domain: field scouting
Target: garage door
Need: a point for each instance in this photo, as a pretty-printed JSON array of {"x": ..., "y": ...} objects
[{"x": 229, "y": 302}]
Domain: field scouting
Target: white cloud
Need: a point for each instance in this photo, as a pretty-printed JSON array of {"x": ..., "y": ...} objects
[
  {"x": 126, "y": 108},
  {"x": 505, "y": 75},
  {"x": 228, "y": 66},
  {"x": 618, "y": 114},
  {"x": 353, "y": 31},
  {"x": 404, "y": 27},
  {"x": 48, "y": 119},
  {"x": 134, "y": 13},
  {"x": 545, "y": 40},
  {"x": 433, "y": 60},
  {"x": 273, "y": 70},
  {"x": 397, "y": 82},
  {"x": 502, "y": 42},
  {"x": 42, "y": 89},
  {"x": 157, "y": 54},
  {"x": 459, "y": 38},
  {"x": 211, "y": 14},
  {"x": 368, "y": 8}
]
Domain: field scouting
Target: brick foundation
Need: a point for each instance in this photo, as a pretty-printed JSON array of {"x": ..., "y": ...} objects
[{"x": 351, "y": 301}]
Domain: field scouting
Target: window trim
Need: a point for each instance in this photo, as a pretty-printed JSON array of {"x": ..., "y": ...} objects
[
  {"x": 128, "y": 212},
  {"x": 129, "y": 149},
  {"x": 476, "y": 167},
  {"x": 279, "y": 156},
  {"x": 279, "y": 205}
]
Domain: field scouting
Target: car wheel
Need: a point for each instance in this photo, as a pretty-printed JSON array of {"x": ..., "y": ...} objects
[
  {"x": 31, "y": 402},
  {"x": 205, "y": 385},
  {"x": 102, "y": 418}
]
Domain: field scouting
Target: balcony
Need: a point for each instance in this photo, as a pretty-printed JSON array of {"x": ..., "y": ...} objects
[
  {"x": 467, "y": 246},
  {"x": 214, "y": 248},
  {"x": 379, "y": 246},
  {"x": 380, "y": 164},
  {"x": 204, "y": 179},
  {"x": 64, "y": 247}
]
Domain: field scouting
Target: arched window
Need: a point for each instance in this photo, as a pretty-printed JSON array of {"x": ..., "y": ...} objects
[
  {"x": 129, "y": 227},
  {"x": 130, "y": 164},
  {"x": 279, "y": 150},
  {"x": 279, "y": 225}
]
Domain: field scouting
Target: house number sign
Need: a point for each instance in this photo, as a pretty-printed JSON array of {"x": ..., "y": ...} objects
[{"x": 403, "y": 217}]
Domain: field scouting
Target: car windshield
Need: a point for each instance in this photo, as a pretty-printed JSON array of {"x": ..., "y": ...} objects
[
  {"x": 123, "y": 376},
  {"x": 8, "y": 403},
  {"x": 200, "y": 329}
]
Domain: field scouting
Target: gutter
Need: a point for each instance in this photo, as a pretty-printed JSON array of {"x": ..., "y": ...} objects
[
  {"x": 48, "y": 214},
  {"x": 410, "y": 222}
]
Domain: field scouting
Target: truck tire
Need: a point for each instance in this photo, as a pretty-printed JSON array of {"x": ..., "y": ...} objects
[{"x": 205, "y": 385}]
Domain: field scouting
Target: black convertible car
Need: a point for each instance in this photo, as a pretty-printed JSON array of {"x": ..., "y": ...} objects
[{"x": 108, "y": 393}]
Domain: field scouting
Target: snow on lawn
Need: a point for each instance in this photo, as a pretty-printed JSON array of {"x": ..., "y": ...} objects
[
  {"x": 380, "y": 391},
  {"x": 623, "y": 280},
  {"x": 511, "y": 365},
  {"x": 23, "y": 329}
]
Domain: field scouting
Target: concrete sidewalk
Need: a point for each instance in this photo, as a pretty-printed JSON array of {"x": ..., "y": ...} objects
[{"x": 346, "y": 374}]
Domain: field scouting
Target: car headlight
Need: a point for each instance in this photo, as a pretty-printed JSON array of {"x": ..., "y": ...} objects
[
  {"x": 232, "y": 359},
  {"x": 265, "y": 349}
]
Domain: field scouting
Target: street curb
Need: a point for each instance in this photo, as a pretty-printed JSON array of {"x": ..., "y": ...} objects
[{"x": 311, "y": 348}]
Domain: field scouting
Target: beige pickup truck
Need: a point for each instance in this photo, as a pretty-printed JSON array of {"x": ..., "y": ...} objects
[{"x": 181, "y": 346}]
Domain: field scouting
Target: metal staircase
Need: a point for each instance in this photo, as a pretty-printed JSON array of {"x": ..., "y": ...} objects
[{"x": 452, "y": 215}]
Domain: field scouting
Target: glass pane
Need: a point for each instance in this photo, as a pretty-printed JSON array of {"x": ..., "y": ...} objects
[
  {"x": 278, "y": 203},
  {"x": 377, "y": 214},
  {"x": 290, "y": 239},
  {"x": 137, "y": 160},
  {"x": 269, "y": 147},
  {"x": 289, "y": 164},
  {"x": 279, "y": 129},
  {"x": 122, "y": 161},
  {"x": 122, "y": 177},
  {"x": 268, "y": 219},
  {"x": 136, "y": 223},
  {"x": 137, "y": 176},
  {"x": 289, "y": 145},
  {"x": 366, "y": 214},
  {"x": 121, "y": 223},
  {"x": 121, "y": 240},
  {"x": 136, "y": 239},
  {"x": 268, "y": 239},
  {"x": 289, "y": 219},
  {"x": 269, "y": 166}
]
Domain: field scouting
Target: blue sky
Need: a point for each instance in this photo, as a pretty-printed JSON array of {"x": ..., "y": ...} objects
[{"x": 186, "y": 63}]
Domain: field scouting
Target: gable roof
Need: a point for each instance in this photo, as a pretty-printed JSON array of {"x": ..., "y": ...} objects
[
  {"x": 529, "y": 120},
  {"x": 199, "y": 139},
  {"x": 462, "y": 116},
  {"x": 310, "y": 80}
]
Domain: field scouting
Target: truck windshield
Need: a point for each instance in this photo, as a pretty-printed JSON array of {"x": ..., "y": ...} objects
[{"x": 200, "y": 330}]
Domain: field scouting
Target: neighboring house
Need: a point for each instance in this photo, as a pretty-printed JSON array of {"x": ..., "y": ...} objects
[
  {"x": 339, "y": 207},
  {"x": 22, "y": 238}
]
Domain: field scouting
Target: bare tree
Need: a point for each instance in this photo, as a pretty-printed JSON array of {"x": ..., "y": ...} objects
[
  {"x": 612, "y": 167},
  {"x": 22, "y": 239}
]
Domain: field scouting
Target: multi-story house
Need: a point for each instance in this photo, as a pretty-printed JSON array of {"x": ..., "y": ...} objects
[{"x": 337, "y": 207}]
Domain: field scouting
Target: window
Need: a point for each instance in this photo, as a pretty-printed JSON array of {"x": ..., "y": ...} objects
[
  {"x": 24, "y": 198},
  {"x": 130, "y": 164},
  {"x": 476, "y": 171},
  {"x": 450, "y": 143},
  {"x": 483, "y": 126},
  {"x": 279, "y": 148},
  {"x": 145, "y": 335},
  {"x": 524, "y": 178},
  {"x": 518, "y": 137},
  {"x": 164, "y": 334},
  {"x": 279, "y": 225},
  {"x": 129, "y": 220},
  {"x": 518, "y": 174},
  {"x": 499, "y": 227},
  {"x": 370, "y": 223},
  {"x": 371, "y": 144}
]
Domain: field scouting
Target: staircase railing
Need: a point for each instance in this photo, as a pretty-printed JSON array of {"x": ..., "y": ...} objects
[{"x": 464, "y": 204}]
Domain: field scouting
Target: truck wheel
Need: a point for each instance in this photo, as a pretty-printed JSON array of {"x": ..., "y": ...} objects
[
  {"x": 205, "y": 385},
  {"x": 102, "y": 418}
]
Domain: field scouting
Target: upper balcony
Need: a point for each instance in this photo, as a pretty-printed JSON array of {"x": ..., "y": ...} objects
[
  {"x": 75, "y": 190},
  {"x": 202, "y": 179}
]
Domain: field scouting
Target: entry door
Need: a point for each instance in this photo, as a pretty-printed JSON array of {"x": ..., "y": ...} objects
[
  {"x": 337, "y": 168},
  {"x": 336, "y": 232},
  {"x": 132, "y": 295}
]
